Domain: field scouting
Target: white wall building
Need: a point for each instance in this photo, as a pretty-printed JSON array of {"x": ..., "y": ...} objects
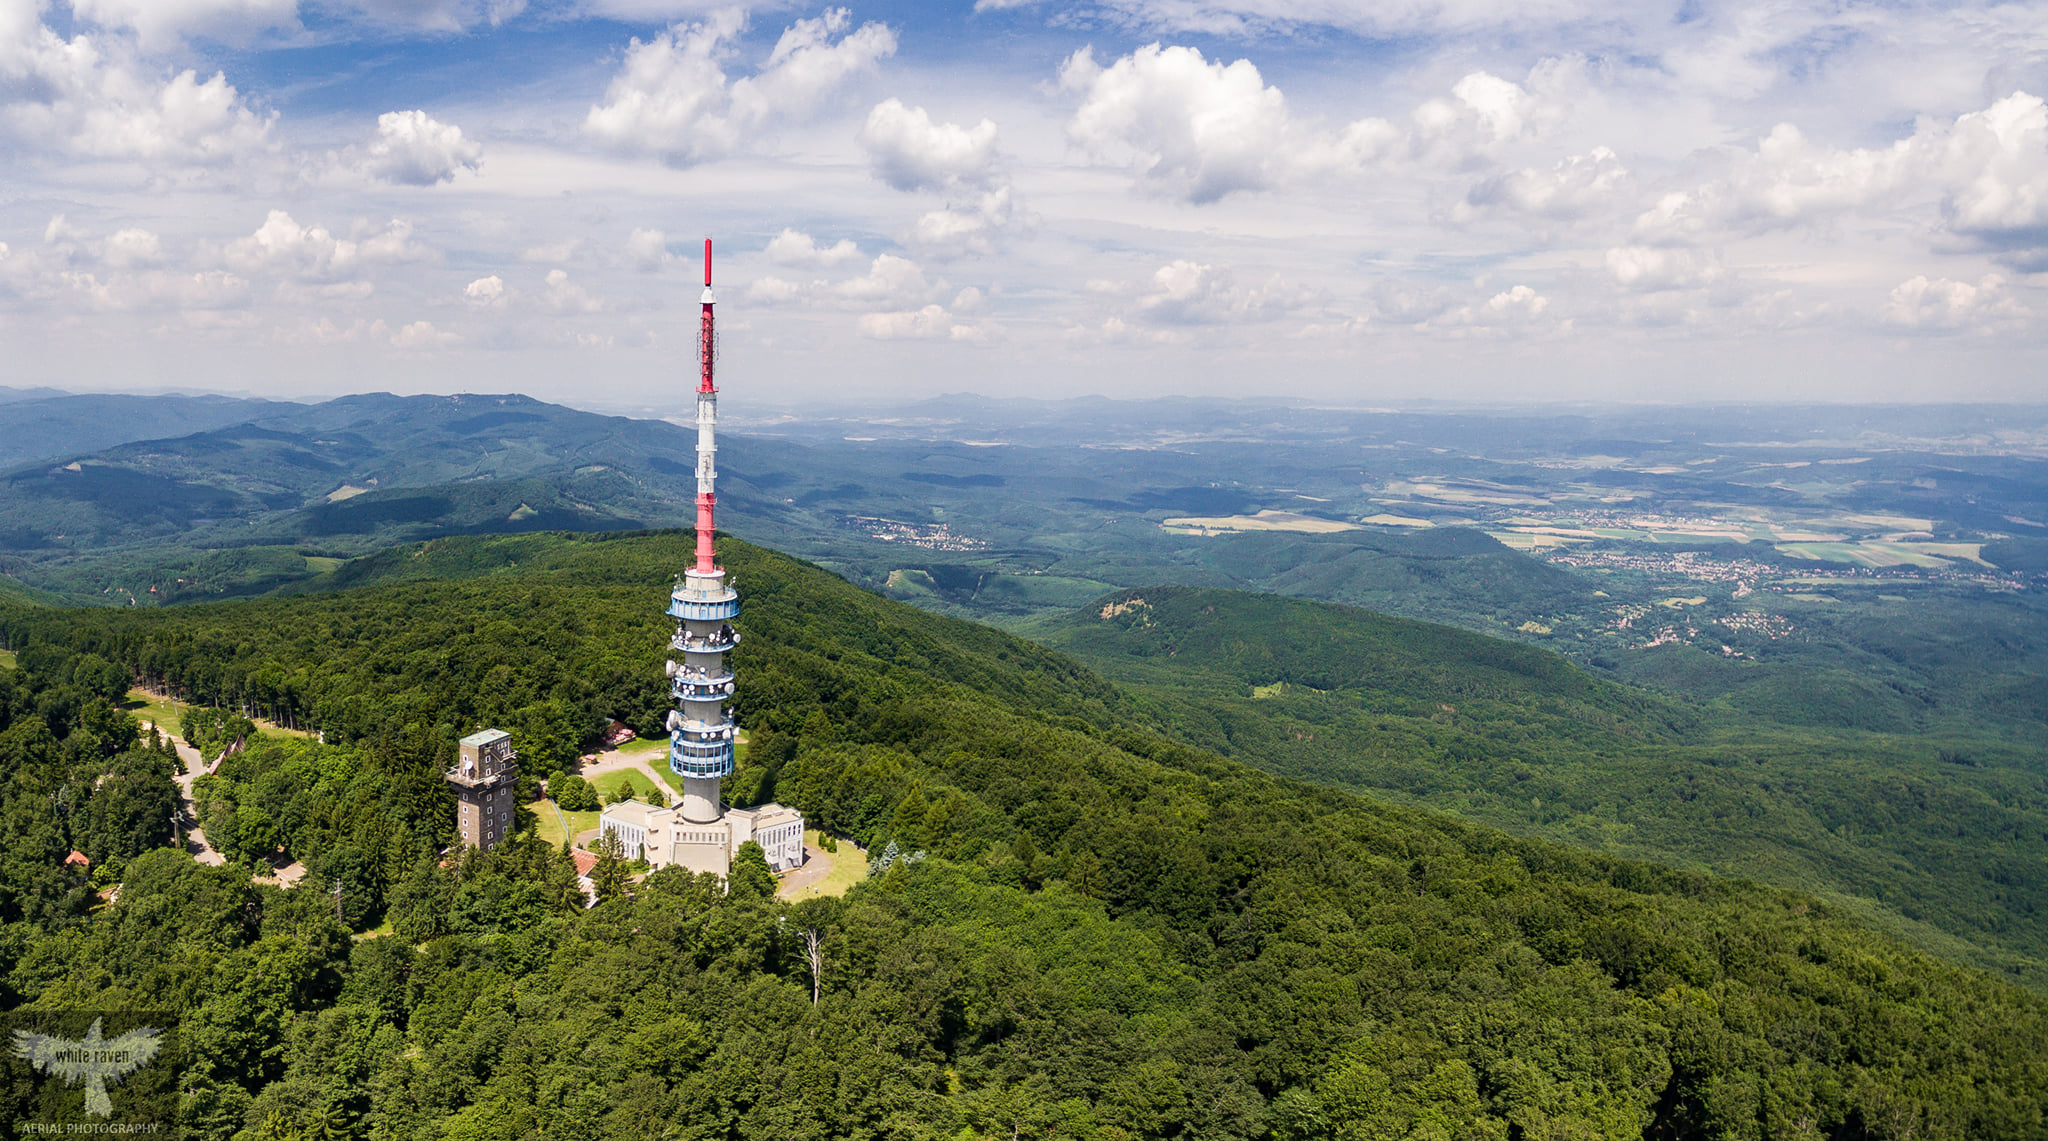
[{"x": 665, "y": 837}]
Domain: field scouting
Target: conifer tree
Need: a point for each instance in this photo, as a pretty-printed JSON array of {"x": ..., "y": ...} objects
[
  {"x": 750, "y": 878},
  {"x": 609, "y": 876}
]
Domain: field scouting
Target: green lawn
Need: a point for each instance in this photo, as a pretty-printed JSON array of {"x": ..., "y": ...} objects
[
  {"x": 849, "y": 865},
  {"x": 145, "y": 706},
  {"x": 7, "y": 659},
  {"x": 552, "y": 823},
  {"x": 634, "y": 779},
  {"x": 149, "y": 707},
  {"x": 640, "y": 745},
  {"x": 549, "y": 821}
]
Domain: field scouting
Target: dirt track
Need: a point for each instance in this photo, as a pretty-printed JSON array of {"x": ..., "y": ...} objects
[{"x": 195, "y": 767}]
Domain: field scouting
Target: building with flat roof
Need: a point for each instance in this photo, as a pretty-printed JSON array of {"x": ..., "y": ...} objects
[
  {"x": 664, "y": 837},
  {"x": 485, "y": 775}
]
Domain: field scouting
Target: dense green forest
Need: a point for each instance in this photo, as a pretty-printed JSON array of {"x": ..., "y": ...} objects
[
  {"x": 1941, "y": 837},
  {"x": 1107, "y": 933}
]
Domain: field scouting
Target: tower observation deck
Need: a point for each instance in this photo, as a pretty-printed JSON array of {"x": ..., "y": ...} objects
[{"x": 701, "y": 733}]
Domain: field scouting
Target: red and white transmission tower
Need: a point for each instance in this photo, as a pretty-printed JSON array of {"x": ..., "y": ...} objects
[{"x": 701, "y": 732}]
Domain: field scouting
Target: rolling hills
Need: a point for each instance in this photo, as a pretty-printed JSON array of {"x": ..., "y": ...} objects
[
  {"x": 1943, "y": 838},
  {"x": 1100, "y": 931}
]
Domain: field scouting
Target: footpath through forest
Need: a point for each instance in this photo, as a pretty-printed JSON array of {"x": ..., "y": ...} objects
[{"x": 194, "y": 768}]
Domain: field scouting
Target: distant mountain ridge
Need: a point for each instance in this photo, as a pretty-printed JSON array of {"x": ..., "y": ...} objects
[
  {"x": 43, "y": 423},
  {"x": 14, "y": 395},
  {"x": 237, "y": 506},
  {"x": 360, "y": 471}
]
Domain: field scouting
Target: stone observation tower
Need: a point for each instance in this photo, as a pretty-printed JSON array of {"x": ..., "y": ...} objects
[
  {"x": 701, "y": 833},
  {"x": 484, "y": 776}
]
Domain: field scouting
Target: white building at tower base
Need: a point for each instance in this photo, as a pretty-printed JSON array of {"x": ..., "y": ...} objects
[{"x": 664, "y": 838}]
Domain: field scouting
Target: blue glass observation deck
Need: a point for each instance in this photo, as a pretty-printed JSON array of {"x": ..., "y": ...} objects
[{"x": 690, "y": 757}]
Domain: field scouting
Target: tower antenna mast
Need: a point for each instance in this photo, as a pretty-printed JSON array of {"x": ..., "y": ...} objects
[{"x": 707, "y": 423}]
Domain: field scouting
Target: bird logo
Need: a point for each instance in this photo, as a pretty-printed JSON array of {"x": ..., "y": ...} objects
[{"x": 96, "y": 1061}]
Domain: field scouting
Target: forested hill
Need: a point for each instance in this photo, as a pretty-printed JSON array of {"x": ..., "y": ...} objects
[
  {"x": 1939, "y": 837},
  {"x": 1408, "y": 666},
  {"x": 1094, "y": 932}
]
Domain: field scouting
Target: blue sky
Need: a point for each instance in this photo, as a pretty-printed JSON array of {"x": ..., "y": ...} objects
[{"x": 1355, "y": 202}]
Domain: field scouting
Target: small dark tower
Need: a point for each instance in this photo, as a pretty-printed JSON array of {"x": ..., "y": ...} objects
[{"x": 484, "y": 775}]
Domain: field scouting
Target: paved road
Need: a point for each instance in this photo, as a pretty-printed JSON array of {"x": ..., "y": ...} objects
[
  {"x": 195, "y": 767},
  {"x": 803, "y": 881}
]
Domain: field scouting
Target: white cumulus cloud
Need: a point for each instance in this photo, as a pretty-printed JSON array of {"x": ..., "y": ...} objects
[
  {"x": 1483, "y": 113},
  {"x": 1517, "y": 307},
  {"x": 132, "y": 248},
  {"x": 1576, "y": 186},
  {"x": 1201, "y": 129},
  {"x": 1998, "y": 158},
  {"x": 565, "y": 296},
  {"x": 1185, "y": 292},
  {"x": 931, "y": 323},
  {"x": 414, "y": 149},
  {"x": 910, "y": 152},
  {"x": 964, "y": 228},
  {"x": 1189, "y": 127},
  {"x": 647, "y": 250},
  {"x": 793, "y": 247},
  {"x": 1939, "y": 304},
  {"x": 281, "y": 246},
  {"x": 671, "y": 97},
  {"x": 891, "y": 282},
  {"x": 1652, "y": 268},
  {"x": 1985, "y": 173},
  {"x": 89, "y": 96},
  {"x": 423, "y": 335},
  {"x": 486, "y": 292}
]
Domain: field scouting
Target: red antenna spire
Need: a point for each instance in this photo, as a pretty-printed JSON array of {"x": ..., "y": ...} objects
[
  {"x": 707, "y": 422},
  {"x": 707, "y": 344}
]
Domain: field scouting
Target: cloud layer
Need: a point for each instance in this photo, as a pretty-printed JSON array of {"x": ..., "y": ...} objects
[{"x": 1153, "y": 195}]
